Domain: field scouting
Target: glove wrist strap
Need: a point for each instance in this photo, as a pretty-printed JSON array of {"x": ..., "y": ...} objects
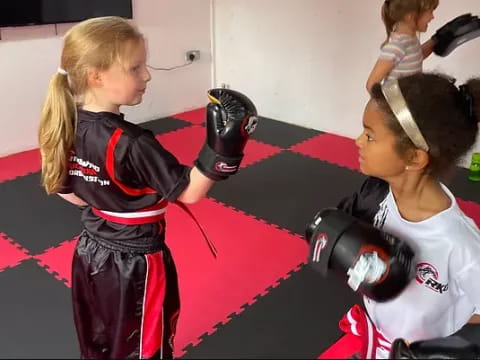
[{"x": 216, "y": 166}]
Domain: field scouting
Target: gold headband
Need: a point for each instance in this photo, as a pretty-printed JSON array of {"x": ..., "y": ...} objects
[{"x": 396, "y": 101}]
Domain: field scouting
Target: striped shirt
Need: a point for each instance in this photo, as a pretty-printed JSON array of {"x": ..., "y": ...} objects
[{"x": 405, "y": 52}]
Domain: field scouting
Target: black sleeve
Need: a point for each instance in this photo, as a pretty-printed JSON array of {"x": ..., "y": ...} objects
[
  {"x": 470, "y": 332},
  {"x": 157, "y": 167},
  {"x": 364, "y": 203}
]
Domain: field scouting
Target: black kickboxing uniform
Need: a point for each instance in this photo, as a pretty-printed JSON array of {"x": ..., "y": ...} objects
[{"x": 124, "y": 282}]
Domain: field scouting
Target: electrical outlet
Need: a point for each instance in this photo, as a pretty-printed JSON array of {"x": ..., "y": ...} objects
[{"x": 192, "y": 55}]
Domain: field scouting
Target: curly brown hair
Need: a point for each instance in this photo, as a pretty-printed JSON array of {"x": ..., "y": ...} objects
[{"x": 448, "y": 122}]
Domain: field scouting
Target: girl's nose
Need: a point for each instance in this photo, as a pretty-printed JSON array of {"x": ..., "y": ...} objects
[{"x": 358, "y": 141}]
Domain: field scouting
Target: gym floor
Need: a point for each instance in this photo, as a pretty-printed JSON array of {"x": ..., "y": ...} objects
[{"x": 258, "y": 299}]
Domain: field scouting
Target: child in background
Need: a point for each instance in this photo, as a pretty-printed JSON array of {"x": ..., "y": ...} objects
[{"x": 401, "y": 53}]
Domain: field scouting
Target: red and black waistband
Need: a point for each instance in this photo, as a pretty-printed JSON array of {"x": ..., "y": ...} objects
[{"x": 150, "y": 215}]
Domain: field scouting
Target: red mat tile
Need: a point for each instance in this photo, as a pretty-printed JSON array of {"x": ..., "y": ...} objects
[
  {"x": 332, "y": 148},
  {"x": 58, "y": 260},
  {"x": 186, "y": 143},
  {"x": 11, "y": 253},
  {"x": 19, "y": 164},
  {"x": 196, "y": 116},
  {"x": 257, "y": 151},
  {"x": 252, "y": 256}
]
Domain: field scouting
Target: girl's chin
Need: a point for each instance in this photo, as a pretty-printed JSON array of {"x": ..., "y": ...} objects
[{"x": 364, "y": 169}]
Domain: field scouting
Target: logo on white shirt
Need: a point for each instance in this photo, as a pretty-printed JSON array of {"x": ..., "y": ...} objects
[{"x": 427, "y": 275}]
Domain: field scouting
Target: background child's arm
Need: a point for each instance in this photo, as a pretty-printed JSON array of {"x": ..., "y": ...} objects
[
  {"x": 427, "y": 48},
  {"x": 72, "y": 198},
  {"x": 381, "y": 69}
]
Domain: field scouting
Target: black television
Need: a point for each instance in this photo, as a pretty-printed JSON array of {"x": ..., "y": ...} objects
[{"x": 39, "y": 12}]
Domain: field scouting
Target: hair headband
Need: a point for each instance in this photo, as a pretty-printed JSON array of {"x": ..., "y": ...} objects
[{"x": 396, "y": 101}]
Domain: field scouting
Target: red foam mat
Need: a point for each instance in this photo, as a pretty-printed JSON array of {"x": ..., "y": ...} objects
[
  {"x": 186, "y": 143},
  {"x": 196, "y": 116},
  {"x": 335, "y": 149},
  {"x": 11, "y": 253},
  {"x": 58, "y": 260},
  {"x": 252, "y": 256},
  {"x": 19, "y": 164}
]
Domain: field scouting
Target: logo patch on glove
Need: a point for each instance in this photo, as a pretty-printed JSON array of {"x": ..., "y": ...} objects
[
  {"x": 251, "y": 125},
  {"x": 320, "y": 244},
  {"x": 222, "y": 166}
]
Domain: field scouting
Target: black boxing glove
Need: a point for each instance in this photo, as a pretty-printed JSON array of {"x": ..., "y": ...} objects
[
  {"x": 372, "y": 262},
  {"x": 455, "y": 33},
  {"x": 231, "y": 119},
  {"x": 451, "y": 347}
]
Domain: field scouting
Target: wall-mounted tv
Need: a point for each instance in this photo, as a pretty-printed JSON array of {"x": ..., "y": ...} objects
[{"x": 37, "y": 12}]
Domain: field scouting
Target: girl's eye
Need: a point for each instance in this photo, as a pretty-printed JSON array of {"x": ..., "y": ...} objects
[
  {"x": 135, "y": 68},
  {"x": 369, "y": 138}
]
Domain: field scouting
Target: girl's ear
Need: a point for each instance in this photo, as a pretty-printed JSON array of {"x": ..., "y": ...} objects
[
  {"x": 411, "y": 18},
  {"x": 94, "y": 78},
  {"x": 418, "y": 159}
]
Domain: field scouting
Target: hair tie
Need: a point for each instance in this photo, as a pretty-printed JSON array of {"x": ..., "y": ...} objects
[
  {"x": 62, "y": 71},
  {"x": 466, "y": 102}
]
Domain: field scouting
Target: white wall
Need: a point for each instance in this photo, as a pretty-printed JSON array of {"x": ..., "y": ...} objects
[
  {"x": 302, "y": 61},
  {"x": 30, "y": 55},
  {"x": 306, "y": 61}
]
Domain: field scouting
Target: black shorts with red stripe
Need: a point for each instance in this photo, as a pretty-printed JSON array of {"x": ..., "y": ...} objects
[{"x": 125, "y": 301}]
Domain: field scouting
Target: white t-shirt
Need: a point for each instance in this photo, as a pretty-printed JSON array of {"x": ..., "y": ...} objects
[{"x": 446, "y": 290}]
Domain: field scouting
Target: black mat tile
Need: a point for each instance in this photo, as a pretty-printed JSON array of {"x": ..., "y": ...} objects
[
  {"x": 462, "y": 187},
  {"x": 287, "y": 189},
  {"x": 36, "y": 316},
  {"x": 164, "y": 125},
  {"x": 281, "y": 134},
  {"x": 34, "y": 219},
  {"x": 296, "y": 320}
]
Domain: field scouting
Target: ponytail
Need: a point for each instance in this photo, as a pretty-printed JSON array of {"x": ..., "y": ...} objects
[
  {"x": 56, "y": 133},
  {"x": 387, "y": 20}
]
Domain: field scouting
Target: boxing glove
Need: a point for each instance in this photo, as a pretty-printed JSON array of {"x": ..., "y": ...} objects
[
  {"x": 451, "y": 347},
  {"x": 456, "y": 32},
  {"x": 231, "y": 118},
  {"x": 372, "y": 262}
]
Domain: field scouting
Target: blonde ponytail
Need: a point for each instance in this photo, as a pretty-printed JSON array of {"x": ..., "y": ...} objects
[{"x": 56, "y": 133}]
